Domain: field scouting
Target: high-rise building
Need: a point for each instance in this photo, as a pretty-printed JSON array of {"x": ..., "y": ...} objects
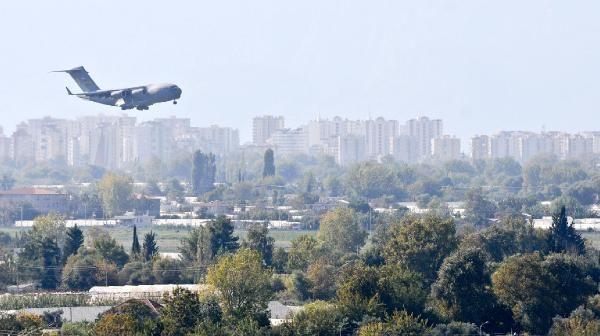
[
  {"x": 403, "y": 148},
  {"x": 424, "y": 130},
  {"x": 350, "y": 149},
  {"x": 480, "y": 147},
  {"x": 263, "y": 127},
  {"x": 379, "y": 133},
  {"x": 217, "y": 139},
  {"x": 445, "y": 148},
  {"x": 287, "y": 142}
]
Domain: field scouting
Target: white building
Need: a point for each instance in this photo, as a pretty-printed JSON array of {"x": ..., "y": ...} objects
[
  {"x": 287, "y": 142},
  {"x": 263, "y": 127},
  {"x": 350, "y": 149},
  {"x": 424, "y": 130},
  {"x": 445, "y": 148},
  {"x": 379, "y": 133}
]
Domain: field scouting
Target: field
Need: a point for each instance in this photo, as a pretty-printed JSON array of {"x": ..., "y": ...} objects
[{"x": 168, "y": 237}]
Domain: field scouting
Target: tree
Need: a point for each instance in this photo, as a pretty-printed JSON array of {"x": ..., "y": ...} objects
[
  {"x": 257, "y": 239},
  {"x": 81, "y": 272},
  {"x": 585, "y": 320},
  {"x": 115, "y": 192},
  {"x": 420, "y": 244},
  {"x": 562, "y": 237},
  {"x": 317, "y": 318},
  {"x": 537, "y": 289},
  {"x": 372, "y": 180},
  {"x": 203, "y": 172},
  {"x": 400, "y": 323},
  {"x": 478, "y": 209},
  {"x": 150, "y": 248},
  {"x": 322, "y": 280},
  {"x": 40, "y": 256},
  {"x": 115, "y": 324},
  {"x": 73, "y": 242},
  {"x": 340, "y": 229},
  {"x": 462, "y": 290},
  {"x": 175, "y": 191},
  {"x": 183, "y": 311},
  {"x": 244, "y": 284},
  {"x": 50, "y": 262},
  {"x": 110, "y": 251},
  {"x": 268, "y": 163},
  {"x": 135, "y": 244}
]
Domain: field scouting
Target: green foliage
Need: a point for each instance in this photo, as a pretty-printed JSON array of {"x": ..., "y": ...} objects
[
  {"x": 244, "y": 284},
  {"x": 108, "y": 248},
  {"x": 454, "y": 328},
  {"x": 371, "y": 180},
  {"x": 400, "y": 323},
  {"x": 562, "y": 237},
  {"x": 317, "y": 318},
  {"x": 585, "y": 320},
  {"x": 462, "y": 290},
  {"x": 203, "y": 172},
  {"x": 268, "y": 163},
  {"x": 537, "y": 289},
  {"x": 115, "y": 192},
  {"x": 203, "y": 245},
  {"x": 149, "y": 248},
  {"x": 340, "y": 230},
  {"x": 478, "y": 209},
  {"x": 81, "y": 272},
  {"x": 183, "y": 311},
  {"x": 135, "y": 244},
  {"x": 73, "y": 242},
  {"x": 420, "y": 244},
  {"x": 257, "y": 239}
]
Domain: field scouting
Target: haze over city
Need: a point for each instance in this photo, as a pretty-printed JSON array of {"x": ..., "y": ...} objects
[{"x": 481, "y": 67}]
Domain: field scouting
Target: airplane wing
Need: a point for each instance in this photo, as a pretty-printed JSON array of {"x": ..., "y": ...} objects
[{"x": 108, "y": 93}]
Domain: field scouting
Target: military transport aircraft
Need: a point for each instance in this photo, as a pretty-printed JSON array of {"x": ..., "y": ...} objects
[{"x": 139, "y": 97}]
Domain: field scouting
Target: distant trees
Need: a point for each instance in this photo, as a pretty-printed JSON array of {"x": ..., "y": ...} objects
[
  {"x": 73, "y": 241},
  {"x": 115, "y": 192},
  {"x": 202, "y": 245},
  {"x": 203, "y": 172},
  {"x": 562, "y": 237},
  {"x": 341, "y": 230},
  {"x": 149, "y": 248},
  {"x": 421, "y": 244},
  {"x": 257, "y": 239},
  {"x": 135, "y": 244},
  {"x": 269, "y": 163},
  {"x": 536, "y": 289},
  {"x": 244, "y": 284}
]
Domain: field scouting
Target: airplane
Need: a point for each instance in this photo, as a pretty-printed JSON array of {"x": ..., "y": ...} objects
[{"x": 138, "y": 97}]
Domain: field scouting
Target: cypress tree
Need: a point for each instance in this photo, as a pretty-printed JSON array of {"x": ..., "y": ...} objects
[
  {"x": 150, "y": 247},
  {"x": 269, "y": 163},
  {"x": 562, "y": 237},
  {"x": 135, "y": 245}
]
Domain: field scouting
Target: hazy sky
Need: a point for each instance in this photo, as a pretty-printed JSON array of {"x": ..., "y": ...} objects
[{"x": 480, "y": 65}]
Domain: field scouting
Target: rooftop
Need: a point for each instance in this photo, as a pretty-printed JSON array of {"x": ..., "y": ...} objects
[{"x": 30, "y": 191}]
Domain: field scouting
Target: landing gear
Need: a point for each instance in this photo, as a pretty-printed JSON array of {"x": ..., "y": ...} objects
[
  {"x": 174, "y": 102},
  {"x": 141, "y": 108}
]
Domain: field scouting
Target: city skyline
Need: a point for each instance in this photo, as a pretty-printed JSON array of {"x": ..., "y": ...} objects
[
  {"x": 485, "y": 67},
  {"x": 116, "y": 141}
]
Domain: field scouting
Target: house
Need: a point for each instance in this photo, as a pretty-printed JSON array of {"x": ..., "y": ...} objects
[{"x": 43, "y": 201}]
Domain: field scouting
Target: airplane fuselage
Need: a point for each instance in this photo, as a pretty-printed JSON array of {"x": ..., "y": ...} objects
[{"x": 139, "y": 97}]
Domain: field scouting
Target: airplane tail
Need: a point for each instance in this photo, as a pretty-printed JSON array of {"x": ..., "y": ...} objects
[{"x": 82, "y": 78}]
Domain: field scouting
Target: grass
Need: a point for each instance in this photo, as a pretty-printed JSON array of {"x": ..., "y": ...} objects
[{"x": 168, "y": 238}]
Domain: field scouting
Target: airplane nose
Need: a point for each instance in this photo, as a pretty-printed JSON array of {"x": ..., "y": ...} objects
[{"x": 177, "y": 91}]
